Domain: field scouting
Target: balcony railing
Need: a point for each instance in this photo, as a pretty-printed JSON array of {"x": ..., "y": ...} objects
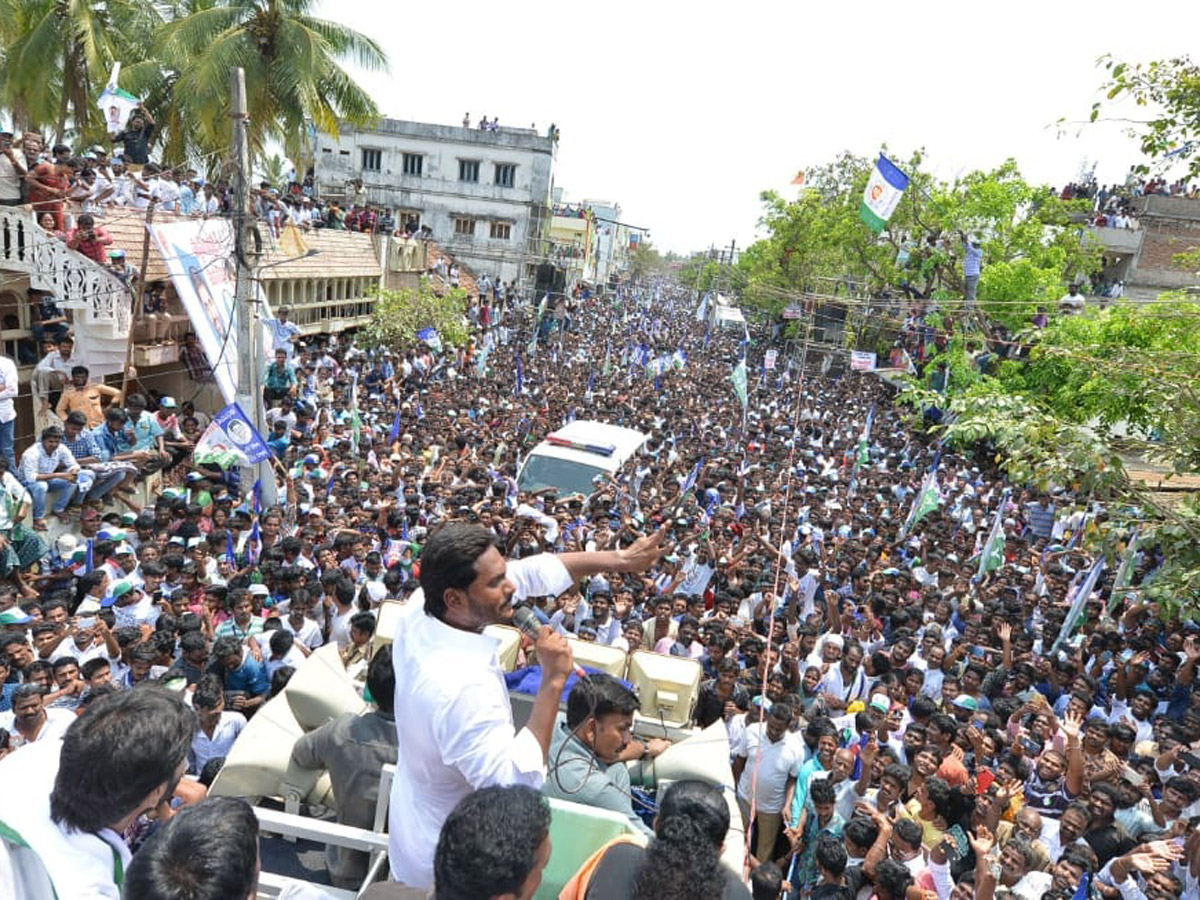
[{"x": 77, "y": 282}]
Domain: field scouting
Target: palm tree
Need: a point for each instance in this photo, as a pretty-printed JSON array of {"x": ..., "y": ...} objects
[
  {"x": 293, "y": 73},
  {"x": 58, "y": 54}
]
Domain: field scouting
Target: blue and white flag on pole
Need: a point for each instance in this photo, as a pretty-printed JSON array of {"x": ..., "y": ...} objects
[
  {"x": 882, "y": 195},
  {"x": 690, "y": 481},
  {"x": 520, "y": 377},
  {"x": 231, "y": 440},
  {"x": 431, "y": 337}
]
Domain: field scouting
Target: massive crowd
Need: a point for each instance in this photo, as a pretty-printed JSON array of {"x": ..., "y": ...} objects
[{"x": 900, "y": 719}]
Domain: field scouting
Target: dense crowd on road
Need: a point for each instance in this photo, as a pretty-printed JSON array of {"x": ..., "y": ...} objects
[{"x": 901, "y": 717}]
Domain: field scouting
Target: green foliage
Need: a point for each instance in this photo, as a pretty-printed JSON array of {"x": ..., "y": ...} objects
[
  {"x": 1169, "y": 91},
  {"x": 1052, "y": 421},
  {"x": 399, "y": 315},
  {"x": 57, "y": 55},
  {"x": 1129, "y": 365},
  {"x": 704, "y": 273},
  {"x": 1030, "y": 444},
  {"x": 1030, "y": 244},
  {"x": 645, "y": 260}
]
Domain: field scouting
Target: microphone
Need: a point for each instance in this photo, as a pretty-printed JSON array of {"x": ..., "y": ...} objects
[{"x": 527, "y": 623}]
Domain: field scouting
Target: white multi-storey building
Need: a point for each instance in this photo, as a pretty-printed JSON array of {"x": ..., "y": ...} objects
[{"x": 485, "y": 194}]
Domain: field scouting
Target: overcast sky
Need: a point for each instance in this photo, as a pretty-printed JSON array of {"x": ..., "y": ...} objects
[{"x": 684, "y": 112}]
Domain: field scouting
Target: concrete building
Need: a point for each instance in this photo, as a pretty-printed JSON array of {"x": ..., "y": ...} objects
[
  {"x": 485, "y": 194},
  {"x": 1143, "y": 258}
]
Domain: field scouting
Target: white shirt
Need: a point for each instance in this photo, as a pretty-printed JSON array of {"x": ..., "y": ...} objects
[
  {"x": 204, "y": 748},
  {"x": 8, "y": 389},
  {"x": 80, "y": 864},
  {"x": 309, "y": 634},
  {"x": 454, "y": 724},
  {"x": 58, "y": 720},
  {"x": 777, "y": 762}
]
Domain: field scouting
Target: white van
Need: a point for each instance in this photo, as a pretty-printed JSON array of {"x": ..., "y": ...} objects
[{"x": 570, "y": 458}]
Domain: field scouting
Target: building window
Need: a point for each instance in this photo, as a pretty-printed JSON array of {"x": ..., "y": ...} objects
[
  {"x": 372, "y": 160},
  {"x": 506, "y": 174},
  {"x": 468, "y": 170},
  {"x": 464, "y": 227},
  {"x": 413, "y": 163},
  {"x": 501, "y": 230}
]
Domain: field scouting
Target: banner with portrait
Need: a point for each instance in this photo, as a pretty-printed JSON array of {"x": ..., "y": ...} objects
[{"x": 199, "y": 257}]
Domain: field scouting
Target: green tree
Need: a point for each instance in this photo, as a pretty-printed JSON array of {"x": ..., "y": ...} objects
[
  {"x": 1130, "y": 368},
  {"x": 399, "y": 315},
  {"x": 645, "y": 260},
  {"x": 1168, "y": 91},
  {"x": 58, "y": 54},
  {"x": 272, "y": 168},
  {"x": 294, "y": 75},
  {"x": 817, "y": 243},
  {"x": 1117, "y": 378}
]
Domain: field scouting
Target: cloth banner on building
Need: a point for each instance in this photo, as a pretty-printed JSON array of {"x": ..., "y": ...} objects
[
  {"x": 884, "y": 189},
  {"x": 199, "y": 257},
  {"x": 231, "y": 440},
  {"x": 862, "y": 361}
]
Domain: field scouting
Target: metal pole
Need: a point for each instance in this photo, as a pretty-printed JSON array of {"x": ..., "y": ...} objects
[{"x": 249, "y": 334}]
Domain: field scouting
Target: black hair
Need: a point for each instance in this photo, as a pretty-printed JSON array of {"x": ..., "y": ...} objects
[
  {"x": 489, "y": 843},
  {"x": 448, "y": 561},
  {"x": 226, "y": 646},
  {"x": 909, "y": 831},
  {"x": 363, "y": 621},
  {"x": 596, "y": 696},
  {"x": 280, "y": 679},
  {"x": 281, "y": 641},
  {"x": 766, "y": 882},
  {"x": 831, "y": 854},
  {"x": 892, "y": 879},
  {"x": 209, "y": 693},
  {"x": 205, "y": 852},
  {"x": 89, "y": 669},
  {"x": 113, "y": 756},
  {"x": 381, "y": 679},
  {"x": 684, "y": 859},
  {"x": 861, "y": 832},
  {"x": 191, "y": 641},
  {"x": 822, "y": 791}
]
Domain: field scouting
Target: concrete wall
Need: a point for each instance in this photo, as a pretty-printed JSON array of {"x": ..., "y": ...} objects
[{"x": 439, "y": 196}]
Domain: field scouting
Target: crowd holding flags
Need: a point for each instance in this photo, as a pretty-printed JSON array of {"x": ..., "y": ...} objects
[
  {"x": 928, "y": 498},
  {"x": 1079, "y": 604}
]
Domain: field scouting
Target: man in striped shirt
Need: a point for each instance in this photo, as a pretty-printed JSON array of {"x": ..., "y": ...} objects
[{"x": 1040, "y": 516}]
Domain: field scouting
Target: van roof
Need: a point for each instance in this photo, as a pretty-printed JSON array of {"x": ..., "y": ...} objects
[{"x": 623, "y": 441}]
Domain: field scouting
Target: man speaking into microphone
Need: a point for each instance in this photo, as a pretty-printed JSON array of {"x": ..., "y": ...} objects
[{"x": 453, "y": 719}]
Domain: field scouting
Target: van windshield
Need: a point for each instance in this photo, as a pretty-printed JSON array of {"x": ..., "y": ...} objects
[{"x": 568, "y": 476}]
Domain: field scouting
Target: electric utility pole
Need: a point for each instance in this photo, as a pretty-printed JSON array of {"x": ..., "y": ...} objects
[{"x": 249, "y": 332}]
